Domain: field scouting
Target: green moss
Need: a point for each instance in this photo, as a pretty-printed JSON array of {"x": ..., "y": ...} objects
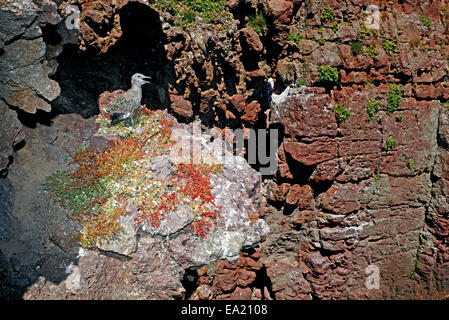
[
  {"x": 258, "y": 22},
  {"x": 327, "y": 14},
  {"x": 327, "y": 74},
  {"x": 394, "y": 97},
  {"x": 376, "y": 176},
  {"x": 341, "y": 113}
]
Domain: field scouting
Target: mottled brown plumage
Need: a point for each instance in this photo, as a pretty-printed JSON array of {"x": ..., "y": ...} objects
[{"x": 124, "y": 106}]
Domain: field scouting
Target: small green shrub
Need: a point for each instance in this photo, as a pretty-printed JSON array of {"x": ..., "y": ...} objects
[
  {"x": 372, "y": 108},
  {"x": 399, "y": 117},
  {"x": 426, "y": 21},
  {"x": 376, "y": 176},
  {"x": 327, "y": 14},
  {"x": 390, "y": 143},
  {"x": 370, "y": 52},
  {"x": 301, "y": 82},
  {"x": 327, "y": 74},
  {"x": 335, "y": 26},
  {"x": 394, "y": 97},
  {"x": 410, "y": 163},
  {"x": 357, "y": 47},
  {"x": 186, "y": 17},
  {"x": 341, "y": 113},
  {"x": 295, "y": 38},
  {"x": 364, "y": 31},
  {"x": 258, "y": 22},
  {"x": 445, "y": 104},
  {"x": 390, "y": 46}
]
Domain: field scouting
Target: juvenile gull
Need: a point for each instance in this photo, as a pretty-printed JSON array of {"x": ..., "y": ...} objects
[{"x": 124, "y": 106}]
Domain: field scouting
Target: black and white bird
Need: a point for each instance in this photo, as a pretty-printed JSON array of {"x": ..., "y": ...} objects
[{"x": 124, "y": 106}]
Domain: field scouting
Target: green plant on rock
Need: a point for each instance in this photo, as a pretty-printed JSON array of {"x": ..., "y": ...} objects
[
  {"x": 186, "y": 18},
  {"x": 186, "y": 11},
  {"x": 394, "y": 97},
  {"x": 364, "y": 31},
  {"x": 426, "y": 21},
  {"x": 258, "y": 22},
  {"x": 357, "y": 47},
  {"x": 372, "y": 108},
  {"x": 321, "y": 41},
  {"x": 327, "y": 74},
  {"x": 376, "y": 176},
  {"x": 301, "y": 82},
  {"x": 399, "y": 117},
  {"x": 327, "y": 14},
  {"x": 370, "y": 52},
  {"x": 410, "y": 163},
  {"x": 390, "y": 143},
  {"x": 390, "y": 46},
  {"x": 295, "y": 37},
  {"x": 445, "y": 104},
  {"x": 341, "y": 113},
  {"x": 335, "y": 26}
]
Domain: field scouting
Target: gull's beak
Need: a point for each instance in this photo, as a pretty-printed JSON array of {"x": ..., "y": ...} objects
[{"x": 146, "y": 78}]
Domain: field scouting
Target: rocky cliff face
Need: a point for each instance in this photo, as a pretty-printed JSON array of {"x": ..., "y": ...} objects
[{"x": 362, "y": 181}]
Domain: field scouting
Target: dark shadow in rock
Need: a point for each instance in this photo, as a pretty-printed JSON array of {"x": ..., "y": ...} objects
[
  {"x": 40, "y": 117},
  {"x": 83, "y": 76},
  {"x": 190, "y": 281}
]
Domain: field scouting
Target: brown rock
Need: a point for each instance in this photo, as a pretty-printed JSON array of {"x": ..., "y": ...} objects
[
  {"x": 241, "y": 294},
  {"x": 251, "y": 112},
  {"x": 317, "y": 151},
  {"x": 181, "y": 106},
  {"x": 251, "y": 39}
]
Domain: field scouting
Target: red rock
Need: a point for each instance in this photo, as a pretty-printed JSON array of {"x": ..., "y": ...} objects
[
  {"x": 181, "y": 106},
  {"x": 282, "y": 10},
  {"x": 341, "y": 199},
  {"x": 293, "y": 195},
  {"x": 251, "y": 112},
  {"x": 100, "y": 142},
  {"x": 245, "y": 277},
  {"x": 303, "y": 216},
  {"x": 353, "y": 77},
  {"x": 317, "y": 151},
  {"x": 326, "y": 171},
  {"x": 241, "y": 294},
  {"x": 251, "y": 39},
  {"x": 307, "y": 115},
  {"x": 426, "y": 91},
  {"x": 280, "y": 191},
  {"x": 238, "y": 101}
]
